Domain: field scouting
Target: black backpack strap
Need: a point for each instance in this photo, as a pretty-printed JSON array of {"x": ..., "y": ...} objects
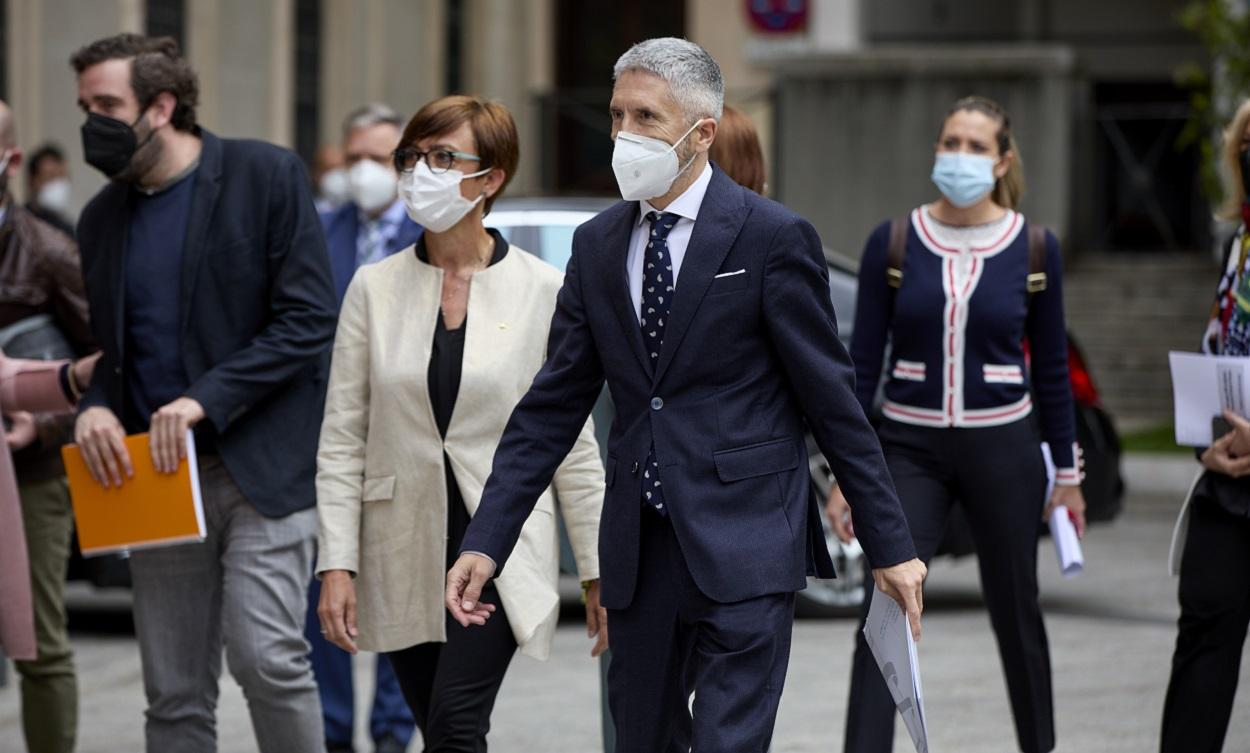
[
  {"x": 896, "y": 252},
  {"x": 1037, "y": 258}
]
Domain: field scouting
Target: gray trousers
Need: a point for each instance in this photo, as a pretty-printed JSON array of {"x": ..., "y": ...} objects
[{"x": 244, "y": 587}]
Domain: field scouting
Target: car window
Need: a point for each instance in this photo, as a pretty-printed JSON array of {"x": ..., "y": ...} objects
[{"x": 551, "y": 243}]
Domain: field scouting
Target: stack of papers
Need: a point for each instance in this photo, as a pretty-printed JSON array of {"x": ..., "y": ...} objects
[
  {"x": 1203, "y": 387},
  {"x": 889, "y": 636}
]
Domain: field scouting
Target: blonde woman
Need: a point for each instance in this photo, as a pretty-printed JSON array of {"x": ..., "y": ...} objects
[
  {"x": 1214, "y": 588},
  {"x": 955, "y": 289}
]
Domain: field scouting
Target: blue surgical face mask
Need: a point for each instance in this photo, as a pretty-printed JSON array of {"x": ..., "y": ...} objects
[{"x": 964, "y": 179}]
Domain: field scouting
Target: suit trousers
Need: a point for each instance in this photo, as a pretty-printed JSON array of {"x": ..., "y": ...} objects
[
  {"x": 1215, "y": 612},
  {"x": 244, "y": 587},
  {"x": 997, "y": 474},
  {"x": 49, "y": 684},
  {"x": 332, "y": 667},
  {"x": 672, "y": 641},
  {"x": 451, "y": 687}
]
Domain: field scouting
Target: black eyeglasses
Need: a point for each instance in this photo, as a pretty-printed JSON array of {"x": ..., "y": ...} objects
[{"x": 439, "y": 160}]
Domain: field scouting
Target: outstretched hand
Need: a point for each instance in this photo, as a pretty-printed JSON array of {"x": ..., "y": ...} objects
[{"x": 465, "y": 581}]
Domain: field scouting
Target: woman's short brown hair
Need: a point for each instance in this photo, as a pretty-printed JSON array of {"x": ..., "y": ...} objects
[
  {"x": 491, "y": 123},
  {"x": 737, "y": 151}
]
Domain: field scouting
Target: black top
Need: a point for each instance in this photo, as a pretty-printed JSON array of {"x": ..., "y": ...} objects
[
  {"x": 446, "y": 361},
  {"x": 158, "y": 230}
]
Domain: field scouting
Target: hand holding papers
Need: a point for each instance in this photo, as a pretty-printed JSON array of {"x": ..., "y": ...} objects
[
  {"x": 889, "y": 637},
  {"x": 150, "y": 509},
  {"x": 1204, "y": 386},
  {"x": 1067, "y": 545}
]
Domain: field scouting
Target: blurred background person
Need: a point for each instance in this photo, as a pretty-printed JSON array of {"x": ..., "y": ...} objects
[
  {"x": 49, "y": 193},
  {"x": 329, "y": 177},
  {"x": 1214, "y": 590},
  {"x": 737, "y": 151},
  {"x": 435, "y": 347},
  {"x": 370, "y": 225},
  {"x": 955, "y": 307},
  {"x": 43, "y": 314}
]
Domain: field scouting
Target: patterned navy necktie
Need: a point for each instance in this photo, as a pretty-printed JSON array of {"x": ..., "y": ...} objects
[{"x": 657, "y": 299}]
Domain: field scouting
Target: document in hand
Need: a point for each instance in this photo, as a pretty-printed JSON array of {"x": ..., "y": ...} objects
[
  {"x": 152, "y": 509},
  {"x": 1067, "y": 545},
  {"x": 889, "y": 637},
  {"x": 1202, "y": 387}
]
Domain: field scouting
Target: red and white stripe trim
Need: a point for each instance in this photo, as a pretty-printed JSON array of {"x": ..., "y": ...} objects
[
  {"x": 1070, "y": 476},
  {"x": 968, "y": 419}
]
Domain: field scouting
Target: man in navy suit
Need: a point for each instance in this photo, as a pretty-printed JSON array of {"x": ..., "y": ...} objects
[
  {"x": 706, "y": 310},
  {"x": 373, "y": 224},
  {"x": 370, "y": 226}
]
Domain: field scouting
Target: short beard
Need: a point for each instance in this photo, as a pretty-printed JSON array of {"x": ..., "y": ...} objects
[{"x": 143, "y": 160}]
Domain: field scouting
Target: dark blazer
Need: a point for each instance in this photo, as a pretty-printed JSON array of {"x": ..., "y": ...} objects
[
  {"x": 748, "y": 360},
  {"x": 256, "y": 315},
  {"x": 342, "y": 225}
]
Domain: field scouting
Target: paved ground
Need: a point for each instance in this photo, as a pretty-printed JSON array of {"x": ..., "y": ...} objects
[{"x": 1111, "y": 638}]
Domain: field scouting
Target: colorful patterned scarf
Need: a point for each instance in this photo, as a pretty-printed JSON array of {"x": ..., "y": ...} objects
[{"x": 1228, "y": 331}]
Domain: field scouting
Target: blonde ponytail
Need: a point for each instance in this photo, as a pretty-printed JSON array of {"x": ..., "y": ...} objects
[{"x": 1009, "y": 189}]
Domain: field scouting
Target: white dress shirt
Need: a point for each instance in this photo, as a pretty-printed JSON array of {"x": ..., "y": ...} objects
[{"x": 686, "y": 207}]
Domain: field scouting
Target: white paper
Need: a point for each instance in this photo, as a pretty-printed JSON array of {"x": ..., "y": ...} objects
[
  {"x": 1067, "y": 545},
  {"x": 1202, "y": 388},
  {"x": 889, "y": 637},
  {"x": 1051, "y": 471}
]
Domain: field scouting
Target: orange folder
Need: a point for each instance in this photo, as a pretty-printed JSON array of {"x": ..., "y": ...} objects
[{"x": 151, "y": 509}]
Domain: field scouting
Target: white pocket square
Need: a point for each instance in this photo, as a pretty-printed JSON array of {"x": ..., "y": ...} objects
[{"x": 729, "y": 274}]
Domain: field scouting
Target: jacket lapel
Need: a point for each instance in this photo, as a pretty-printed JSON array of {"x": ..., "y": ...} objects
[
  {"x": 112, "y": 258},
  {"x": 203, "y": 203},
  {"x": 619, "y": 236},
  {"x": 720, "y": 218}
]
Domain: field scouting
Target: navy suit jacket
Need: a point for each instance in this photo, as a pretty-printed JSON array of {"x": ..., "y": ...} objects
[
  {"x": 342, "y": 226},
  {"x": 748, "y": 361},
  {"x": 256, "y": 314}
]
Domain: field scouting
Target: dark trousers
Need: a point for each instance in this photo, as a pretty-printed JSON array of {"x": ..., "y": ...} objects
[
  {"x": 1215, "y": 611},
  {"x": 998, "y": 475},
  {"x": 332, "y": 666},
  {"x": 673, "y": 641},
  {"x": 451, "y": 687}
]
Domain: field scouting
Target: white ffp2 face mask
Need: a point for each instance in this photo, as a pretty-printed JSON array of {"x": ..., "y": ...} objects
[
  {"x": 645, "y": 167},
  {"x": 433, "y": 200},
  {"x": 56, "y": 194},
  {"x": 335, "y": 187},
  {"x": 372, "y": 186}
]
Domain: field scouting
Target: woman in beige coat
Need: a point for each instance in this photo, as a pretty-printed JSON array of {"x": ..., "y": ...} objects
[{"x": 458, "y": 321}]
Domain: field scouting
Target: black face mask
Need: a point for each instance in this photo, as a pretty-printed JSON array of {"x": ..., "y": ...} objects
[{"x": 109, "y": 144}]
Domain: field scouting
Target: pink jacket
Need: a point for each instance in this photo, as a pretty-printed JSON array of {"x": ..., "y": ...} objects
[{"x": 24, "y": 386}]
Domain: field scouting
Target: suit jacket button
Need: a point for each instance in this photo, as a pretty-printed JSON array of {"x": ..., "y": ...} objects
[
  {"x": 656, "y": 403},
  {"x": 634, "y": 470}
]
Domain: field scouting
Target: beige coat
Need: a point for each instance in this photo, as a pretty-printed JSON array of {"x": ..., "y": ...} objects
[{"x": 381, "y": 493}]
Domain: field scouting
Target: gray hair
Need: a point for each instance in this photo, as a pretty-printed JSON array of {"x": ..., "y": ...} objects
[
  {"x": 692, "y": 75},
  {"x": 366, "y": 116}
]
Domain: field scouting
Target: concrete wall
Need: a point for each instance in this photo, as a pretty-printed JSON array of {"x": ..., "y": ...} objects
[
  {"x": 855, "y": 132},
  {"x": 42, "y": 89}
]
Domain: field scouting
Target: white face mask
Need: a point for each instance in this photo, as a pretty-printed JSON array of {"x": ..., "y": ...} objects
[
  {"x": 645, "y": 167},
  {"x": 433, "y": 200},
  {"x": 372, "y": 186},
  {"x": 335, "y": 187},
  {"x": 55, "y": 195}
]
